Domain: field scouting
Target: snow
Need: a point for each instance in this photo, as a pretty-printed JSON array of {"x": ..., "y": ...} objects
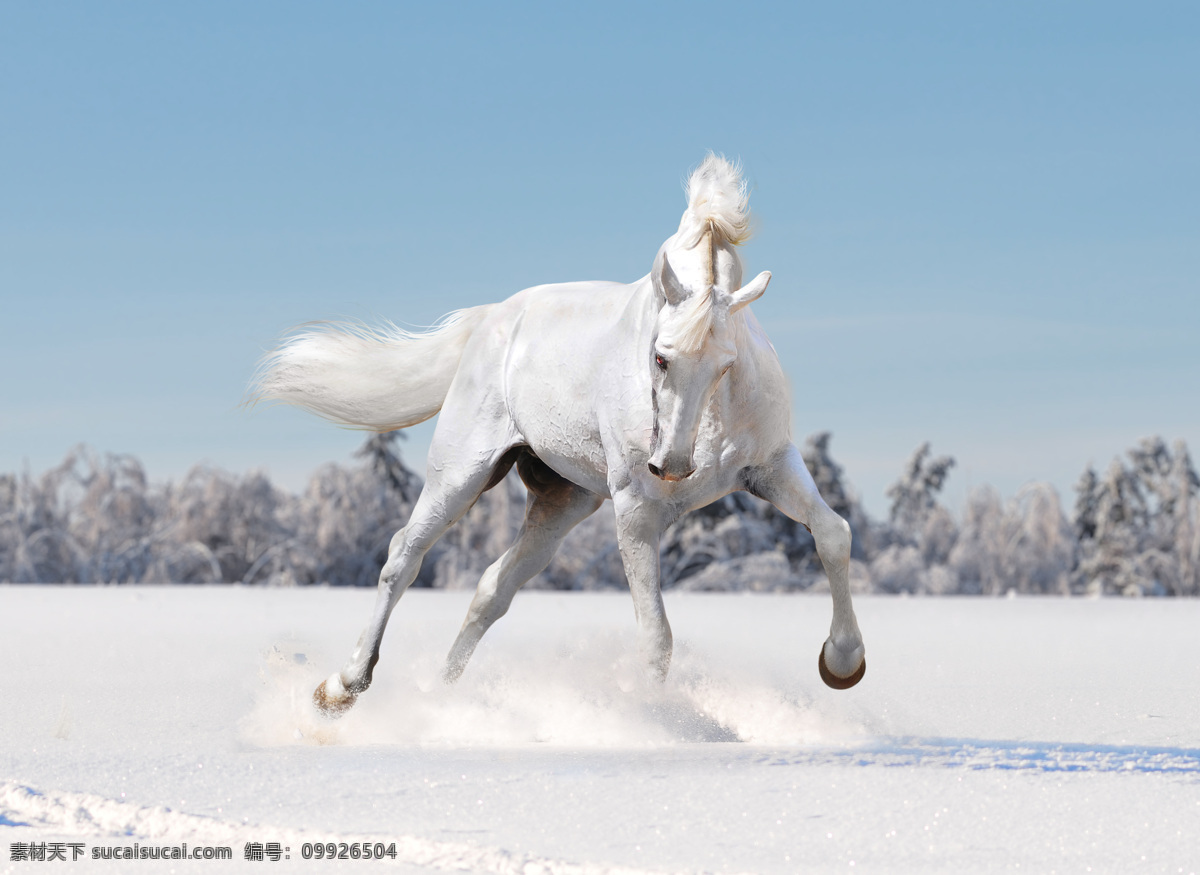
[{"x": 989, "y": 735}]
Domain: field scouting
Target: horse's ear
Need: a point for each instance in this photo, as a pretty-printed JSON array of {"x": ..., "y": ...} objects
[
  {"x": 750, "y": 292},
  {"x": 671, "y": 287}
]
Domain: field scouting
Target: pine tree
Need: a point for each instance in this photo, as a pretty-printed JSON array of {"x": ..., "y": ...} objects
[
  {"x": 382, "y": 454},
  {"x": 914, "y": 495},
  {"x": 1087, "y": 504},
  {"x": 921, "y": 534}
]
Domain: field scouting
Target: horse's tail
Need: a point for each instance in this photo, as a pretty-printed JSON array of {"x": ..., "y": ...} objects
[{"x": 377, "y": 378}]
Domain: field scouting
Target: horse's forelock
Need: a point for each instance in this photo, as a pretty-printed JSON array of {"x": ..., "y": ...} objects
[{"x": 689, "y": 324}]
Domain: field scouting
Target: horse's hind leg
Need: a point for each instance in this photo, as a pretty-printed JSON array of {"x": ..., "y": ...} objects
[
  {"x": 554, "y": 507},
  {"x": 449, "y": 493},
  {"x": 787, "y": 484}
]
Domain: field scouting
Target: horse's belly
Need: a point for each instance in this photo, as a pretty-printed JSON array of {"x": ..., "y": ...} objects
[
  {"x": 582, "y": 470},
  {"x": 562, "y": 434}
]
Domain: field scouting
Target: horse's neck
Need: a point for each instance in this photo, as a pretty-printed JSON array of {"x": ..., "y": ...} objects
[
  {"x": 760, "y": 393},
  {"x": 732, "y": 391},
  {"x": 755, "y": 395},
  {"x": 637, "y": 322}
]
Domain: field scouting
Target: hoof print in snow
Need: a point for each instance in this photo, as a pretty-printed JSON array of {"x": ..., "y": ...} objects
[{"x": 835, "y": 682}]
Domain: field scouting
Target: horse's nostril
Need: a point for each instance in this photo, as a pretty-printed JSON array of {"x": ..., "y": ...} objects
[{"x": 668, "y": 476}]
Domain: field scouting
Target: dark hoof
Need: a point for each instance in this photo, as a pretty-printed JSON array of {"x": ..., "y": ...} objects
[
  {"x": 837, "y": 683},
  {"x": 332, "y": 706}
]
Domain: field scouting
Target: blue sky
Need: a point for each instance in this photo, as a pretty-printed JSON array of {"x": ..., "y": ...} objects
[{"x": 983, "y": 219}]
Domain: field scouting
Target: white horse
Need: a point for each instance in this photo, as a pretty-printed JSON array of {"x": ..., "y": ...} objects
[{"x": 663, "y": 395}]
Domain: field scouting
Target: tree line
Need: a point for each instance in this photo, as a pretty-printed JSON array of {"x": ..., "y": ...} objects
[{"x": 1133, "y": 530}]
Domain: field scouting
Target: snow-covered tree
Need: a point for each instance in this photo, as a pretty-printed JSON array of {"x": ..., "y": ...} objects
[
  {"x": 381, "y": 451},
  {"x": 97, "y": 519},
  {"x": 914, "y": 495},
  {"x": 1025, "y": 545},
  {"x": 915, "y": 546},
  {"x": 1184, "y": 531},
  {"x": 709, "y": 547},
  {"x": 1087, "y": 504},
  {"x": 1143, "y": 538},
  {"x": 232, "y": 521}
]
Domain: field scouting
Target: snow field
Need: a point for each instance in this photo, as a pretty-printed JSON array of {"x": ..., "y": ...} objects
[{"x": 989, "y": 735}]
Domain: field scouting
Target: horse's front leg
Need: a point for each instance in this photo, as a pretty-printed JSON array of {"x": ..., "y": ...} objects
[
  {"x": 787, "y": 484},
  {"x": 639, "y": 530}
]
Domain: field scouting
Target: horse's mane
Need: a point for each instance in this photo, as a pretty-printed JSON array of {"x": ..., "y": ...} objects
[
  {"x": 718, "y": 205},
  {"x": 718, "y": 201}
]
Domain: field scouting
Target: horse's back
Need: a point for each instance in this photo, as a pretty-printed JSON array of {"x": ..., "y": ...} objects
[{"x": 581, "y": 308}]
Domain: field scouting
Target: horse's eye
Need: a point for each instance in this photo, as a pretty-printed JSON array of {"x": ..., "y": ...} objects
[{"x": 661, "y": 362}]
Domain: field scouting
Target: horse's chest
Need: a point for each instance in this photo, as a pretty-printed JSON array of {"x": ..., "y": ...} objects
[{"x": 726, "y": 442}]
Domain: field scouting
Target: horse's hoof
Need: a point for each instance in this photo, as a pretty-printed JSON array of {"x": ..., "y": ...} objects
[
  {"x": 332, "y": 704},
  {"x": 837, "y": 683}
]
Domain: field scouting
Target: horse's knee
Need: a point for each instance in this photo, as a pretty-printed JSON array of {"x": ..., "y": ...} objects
[
  {"x": 395, "y": 556},
  {"x": 832, "y": 534},
  {"x": 405, "y": 555}
]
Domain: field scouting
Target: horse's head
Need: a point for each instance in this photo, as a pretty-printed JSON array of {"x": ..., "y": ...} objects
[{"x": 694, "y": 343}]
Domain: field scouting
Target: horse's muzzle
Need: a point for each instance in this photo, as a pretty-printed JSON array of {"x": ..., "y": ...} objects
[{"x": 669, "y": 476}]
